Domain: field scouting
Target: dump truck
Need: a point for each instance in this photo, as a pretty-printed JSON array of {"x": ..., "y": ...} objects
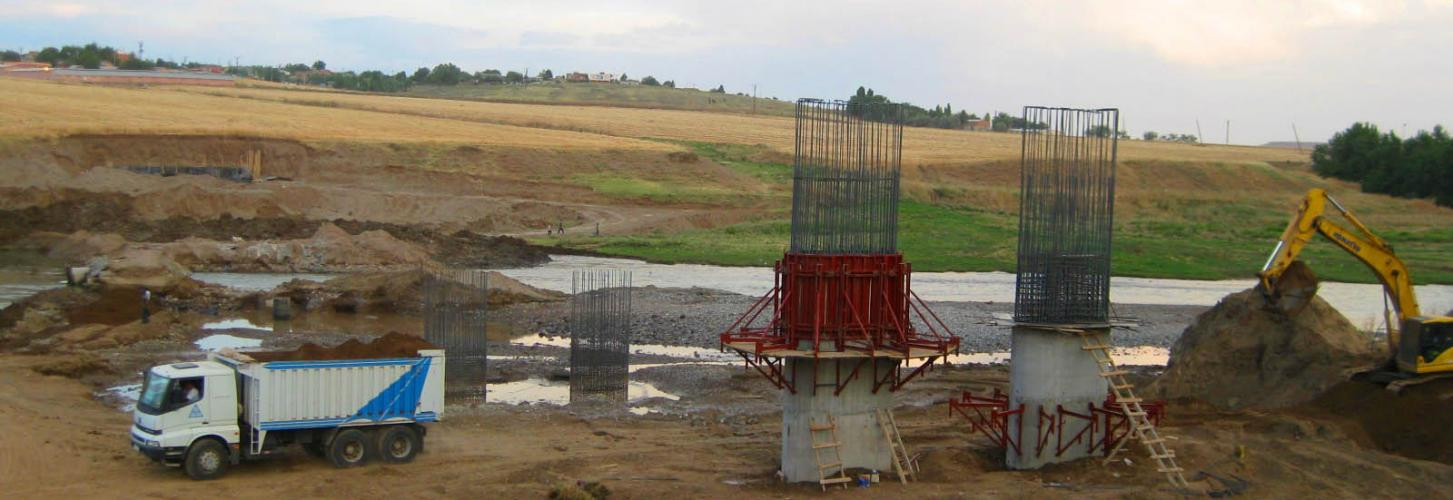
[{"x": 208, "y": 415}]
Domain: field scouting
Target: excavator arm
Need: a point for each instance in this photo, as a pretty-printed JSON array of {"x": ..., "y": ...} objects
[
  {"x": 1311, "y": 220},
  {"x": 1419, "y": 344}
]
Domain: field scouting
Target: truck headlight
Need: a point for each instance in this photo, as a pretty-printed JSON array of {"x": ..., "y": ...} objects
[{"x": 153, "y": 444}]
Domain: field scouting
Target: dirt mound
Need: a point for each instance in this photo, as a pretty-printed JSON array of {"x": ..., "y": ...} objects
[
  {"x": 1399, "y": 423},
  {"x": 73, "y": 366},
  {"x": 391, "y": 345},
  {"x": 1242, "y": 353},
  {"x": 399, "y": 291}
]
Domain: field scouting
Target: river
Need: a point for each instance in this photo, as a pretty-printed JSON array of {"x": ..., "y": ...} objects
[{"x": 1361, "y": 303}]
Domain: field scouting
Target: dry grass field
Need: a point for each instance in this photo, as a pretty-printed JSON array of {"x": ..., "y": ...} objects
[{"x": 1182, "y": 211}]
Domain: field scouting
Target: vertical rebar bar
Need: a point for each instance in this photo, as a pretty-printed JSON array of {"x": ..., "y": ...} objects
[
  {"x": 1067, "y": 200},
  {"x": 846, "y": 166},
  {"x": 456, "y": 303},
  {"x": 600, "y": 335}
]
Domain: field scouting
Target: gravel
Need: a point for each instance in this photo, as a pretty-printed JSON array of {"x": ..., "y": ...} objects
[{"x": 696, "y": 316}]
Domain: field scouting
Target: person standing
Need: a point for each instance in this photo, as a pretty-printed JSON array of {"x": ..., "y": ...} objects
[{"x": 145, "y": 305}]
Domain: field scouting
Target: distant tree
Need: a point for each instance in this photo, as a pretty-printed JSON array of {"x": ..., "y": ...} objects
[
  {"x": 650, "y": 80},
  {"x": 88, "y": 60},
  {"x": 296, "y": 67},
  {"x": 547, "y": 75},
  {"x": 320, "y": 65},
  {"x": 446, "y": 74},
  {"x": 669, "y": 84},
  {"x": 720, "y": 89},
  {"x": 49, "y": 55},
  {"x": 490, "y": 76},
  {"x": 9, "y": 55},
  {"x": 1418, "y": 167},
  {"x": 514, "y": 77},
  {"x": 1149, "y": 135},
  {"x": 421, "y": 75},
  {"x": 623, "y": 77}
]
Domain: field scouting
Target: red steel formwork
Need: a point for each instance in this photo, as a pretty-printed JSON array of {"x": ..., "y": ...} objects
[
  {"x": 1107, "y": 424},
  {"x": 841, "y": 307}
]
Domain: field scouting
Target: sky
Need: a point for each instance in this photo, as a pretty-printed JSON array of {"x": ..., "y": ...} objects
[{"x": 1318, "y": 65}]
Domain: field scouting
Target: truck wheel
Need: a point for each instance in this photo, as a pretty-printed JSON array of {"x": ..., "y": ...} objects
[
  {"x": 350, "y": 448},
  {"x": 398, "y": 444},
  {"x": 207, "y": 459}
]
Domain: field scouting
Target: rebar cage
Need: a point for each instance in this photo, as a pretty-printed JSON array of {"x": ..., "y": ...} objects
[
  {"x": 846, "y": 167},
  {"x": 456, "y": 305},
  {"x": 1066, "y": 215},
  {"x": 600, "y": 335}
]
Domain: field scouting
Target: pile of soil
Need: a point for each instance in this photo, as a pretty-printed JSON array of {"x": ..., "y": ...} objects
[
  {"x": 391, "y": 345},
  {"x": 396, "y": 292},
  {"x": 73, "y": 366},
  {"x": 1405, "y": 423},
  {"x": 1244, "y": 353}
]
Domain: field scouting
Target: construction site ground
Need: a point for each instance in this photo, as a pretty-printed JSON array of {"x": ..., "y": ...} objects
[
  {"x": 62, "y": 441},
  {"x": 720, "y": 438}
]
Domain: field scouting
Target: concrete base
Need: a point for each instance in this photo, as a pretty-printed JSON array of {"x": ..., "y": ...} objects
[
  {"x": 863, "y": 444},
  {"x": 1047, "y": 369}
]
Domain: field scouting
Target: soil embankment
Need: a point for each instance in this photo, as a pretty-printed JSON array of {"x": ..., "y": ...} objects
[{"x": 1242, "y": 353}]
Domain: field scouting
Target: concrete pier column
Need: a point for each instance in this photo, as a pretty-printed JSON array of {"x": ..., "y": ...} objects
[
  {"x": 1046, "y": 369},
  {"x": 855, "y": 410}
]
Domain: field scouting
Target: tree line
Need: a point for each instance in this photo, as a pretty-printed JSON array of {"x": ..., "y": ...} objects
[{"x": 1420, "y": 166}]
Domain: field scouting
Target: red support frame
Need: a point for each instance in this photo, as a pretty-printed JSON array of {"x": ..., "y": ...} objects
[
  {"x": 855, "y": 306},
  {"x": 1107, "y": 423}
]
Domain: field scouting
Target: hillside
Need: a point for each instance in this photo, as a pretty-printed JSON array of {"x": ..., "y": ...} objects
[
  {"x": 608, "y": 94},
  {"x": 668, "y": 185}
]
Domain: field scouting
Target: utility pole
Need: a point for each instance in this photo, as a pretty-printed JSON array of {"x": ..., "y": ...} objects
[
  {"x": 141, "y": 49},
  {"x": 1228, "y": 132},
  {"x": 754, "y": 98},
  {"x": 1297, "y": 136},
  {"x": 1199, "y": 137}
]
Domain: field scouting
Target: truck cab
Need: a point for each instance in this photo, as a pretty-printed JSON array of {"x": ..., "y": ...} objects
[{"x": 188, "y": 410}]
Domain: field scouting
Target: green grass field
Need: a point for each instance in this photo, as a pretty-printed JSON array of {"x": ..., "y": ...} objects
[
  {"x": 611, "y": 94},
  {"x": 1195, "y": 240}
]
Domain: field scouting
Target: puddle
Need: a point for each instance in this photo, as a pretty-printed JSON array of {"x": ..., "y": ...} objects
[
  {"x": 235, "y": 323},
  {"x": 257, "y": 282},
  {"x": 222, "y": 340},
  {"x": 1124, "y": 356},
  {"x": 123, "y": 396},
  {"x": 539, "y": 390},
  {"x": 1359, "y": 302},
  {"x": 648, "y": 349}
]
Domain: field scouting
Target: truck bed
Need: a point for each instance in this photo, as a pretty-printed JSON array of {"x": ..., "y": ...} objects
[{"x": 283, "y": 395}]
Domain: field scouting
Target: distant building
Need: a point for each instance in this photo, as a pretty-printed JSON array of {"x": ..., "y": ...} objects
[
  {"x": 209, "y": 68},
  {"x": 979, "y": 125},
  {"x": 577, "y": 77},
  {"x": 603, "y": 78}
]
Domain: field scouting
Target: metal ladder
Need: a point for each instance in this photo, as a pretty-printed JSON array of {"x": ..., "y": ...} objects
[
  {"x": 823, "y": 478},
  {"x": 903, "y": 465},
  {"x": 1140, "y": 425}
]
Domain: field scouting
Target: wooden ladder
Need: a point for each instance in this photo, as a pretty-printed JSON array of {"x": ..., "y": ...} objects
[
  {"x": 823, "y": 477},
  {"x": 903, "y": 464},
  {"x": 1140, "y": 426}
]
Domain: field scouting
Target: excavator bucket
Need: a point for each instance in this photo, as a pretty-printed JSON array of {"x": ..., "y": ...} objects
[{"x": 1294, "y": 290}]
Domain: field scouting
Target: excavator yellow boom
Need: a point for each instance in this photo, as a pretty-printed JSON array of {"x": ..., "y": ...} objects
[{"x": 1421, "y": 344}]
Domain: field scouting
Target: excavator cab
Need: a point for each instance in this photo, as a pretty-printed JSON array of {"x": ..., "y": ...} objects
[
  {"x": 1426, "y": 345},
  {"x": 1420, "y": 344}
]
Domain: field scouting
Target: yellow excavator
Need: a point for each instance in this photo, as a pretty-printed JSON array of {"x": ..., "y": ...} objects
[{"x": 1420, "y": 344}]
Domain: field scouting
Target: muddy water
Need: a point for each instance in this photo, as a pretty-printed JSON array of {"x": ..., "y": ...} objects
[
  {"x": 1361, "y": 303},
  {"x": 20, "y": 282},
  {"x": 538, "y": 390},
  {"x": 256, "y": 282}
]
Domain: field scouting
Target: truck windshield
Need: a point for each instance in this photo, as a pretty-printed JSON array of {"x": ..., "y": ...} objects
[{"x": 153, "y": 393}]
